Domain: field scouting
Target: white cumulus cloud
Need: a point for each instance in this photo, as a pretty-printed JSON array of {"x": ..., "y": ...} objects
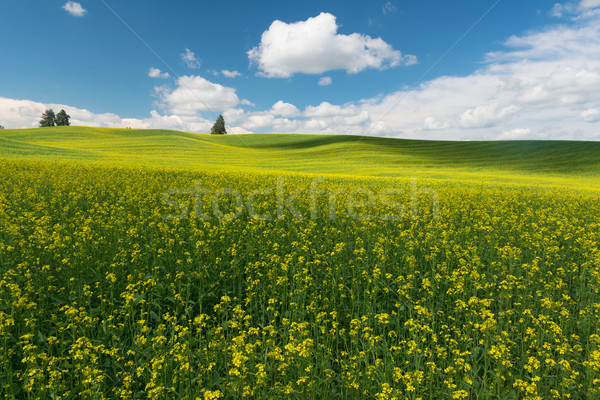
[
  {"x": 589, "y": 4},
  {"x": 190, "y": 59},
  {"x": 194, "y": 94},
  {"x": 485, "y": 116},
  {"x": 285, "y": 109},
  {"x": 325, "y": 81},
  {"x": 557, "y": 10},
  {"x": 591, "y": 115},
  {"x": 516, "y": 134},
  {"x": 314, "y": 46},
  {"x": 74, "y": 8},
  {"x": 156, "y": 73},
  {"x": 326, "y": 109},
  {"x": 434, "y": 124},
  {"x": 230, "y": 74}
]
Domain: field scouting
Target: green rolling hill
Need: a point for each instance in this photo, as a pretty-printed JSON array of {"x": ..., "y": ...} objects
[{"x": 575, "y": 163}]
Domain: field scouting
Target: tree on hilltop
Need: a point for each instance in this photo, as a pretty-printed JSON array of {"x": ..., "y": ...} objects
[
  {"x": 48, "y": 118},
  {"x": 62, "y": 118},
  {"x": 219, "y": 127}
]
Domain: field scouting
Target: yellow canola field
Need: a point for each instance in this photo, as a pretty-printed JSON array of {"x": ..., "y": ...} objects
[{"x": 124, "y": 283}]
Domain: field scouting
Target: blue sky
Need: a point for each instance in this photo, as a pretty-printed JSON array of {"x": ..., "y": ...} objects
[{"x": 525, "y": 70}]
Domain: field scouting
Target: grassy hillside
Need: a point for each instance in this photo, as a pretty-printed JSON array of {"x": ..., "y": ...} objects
[{"x": 556, "y": 161}]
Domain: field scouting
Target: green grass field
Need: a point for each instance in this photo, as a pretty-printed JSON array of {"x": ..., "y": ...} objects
[
  {"x": 477, "y": 278},
  {"x": 552, "y": 161}
]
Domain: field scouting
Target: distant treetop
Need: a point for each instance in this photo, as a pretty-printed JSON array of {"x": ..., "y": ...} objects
[
  {"x": 219, "y": 126},
  {"x": 50, "y": 119},
  {"x": 62, "y": 118}
]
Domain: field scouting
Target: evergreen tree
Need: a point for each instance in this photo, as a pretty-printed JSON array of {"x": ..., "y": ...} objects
[
  {"x": 219, "y": 127},
  {"x": 48, "y": 118},
  {"x": 62, "y": 118}
]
